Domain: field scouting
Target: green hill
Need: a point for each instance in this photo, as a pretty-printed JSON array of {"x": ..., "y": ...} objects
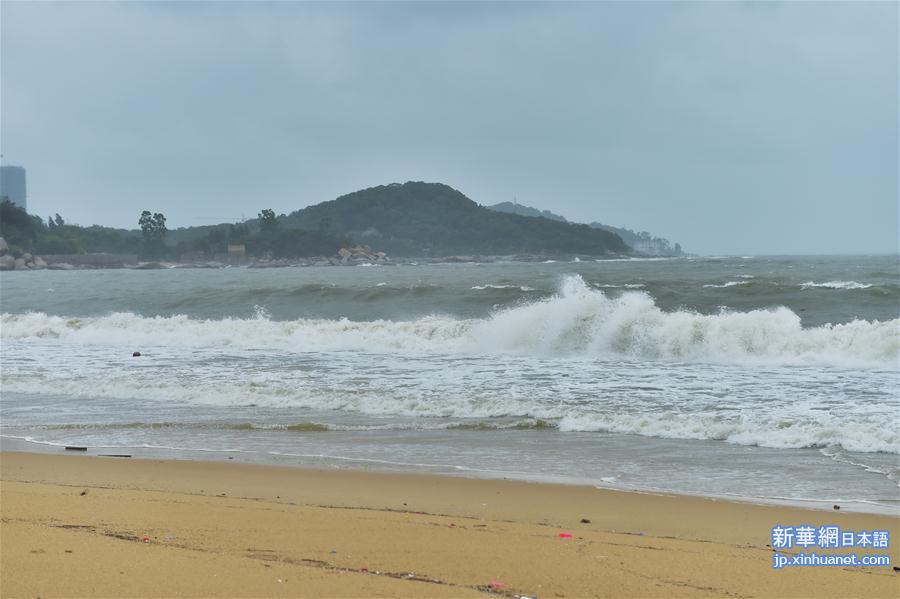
[
  {"x": 515, "y": 208},
  {"x": 410, "y": 220},
  {"x": 432, "y": 219},
  {"x": 642, "y": 242}
]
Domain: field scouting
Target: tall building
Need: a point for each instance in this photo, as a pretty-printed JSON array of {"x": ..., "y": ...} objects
[{"x": 12, "y": 185}]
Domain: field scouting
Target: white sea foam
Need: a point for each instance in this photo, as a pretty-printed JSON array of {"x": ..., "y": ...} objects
[
  {"x": 728, "y": 284},
  {"x": 790, "y": 409},
  {"x": 490, "y": 286},
  {"x": 835, "y": 285},
  {"x": 577, "y": 321},
  {"x": 654, "y": 259},
  {"x": 763, "y": 429}
]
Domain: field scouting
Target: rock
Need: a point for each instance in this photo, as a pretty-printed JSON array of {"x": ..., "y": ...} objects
[
  {"x": 7, "y": 262},
  {"x": 39, "y": 262},
  {"x": 61, "y": 266},
  {"x": 27, "y": 257},
  {"x": 3, "y": 246},
  {"x": 20, "y": 264},
  {"x": 344, "y": 253}
]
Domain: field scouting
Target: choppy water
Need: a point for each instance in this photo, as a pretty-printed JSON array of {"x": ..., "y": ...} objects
[{"x": 759, "y": 377}]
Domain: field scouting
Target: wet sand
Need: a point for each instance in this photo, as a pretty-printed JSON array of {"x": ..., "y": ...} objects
[{"x": 76, "y": 526}]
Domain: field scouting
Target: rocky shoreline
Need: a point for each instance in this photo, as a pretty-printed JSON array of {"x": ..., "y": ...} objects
[{"x": 26, "y": 261}]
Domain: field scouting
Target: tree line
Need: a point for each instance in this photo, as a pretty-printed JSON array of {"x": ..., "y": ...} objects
[
  {"x": 153, "y": 240},
  {"x": 411, "y": 219}
]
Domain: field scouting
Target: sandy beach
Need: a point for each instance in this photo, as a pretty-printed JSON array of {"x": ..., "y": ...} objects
[{"x": 77, "y": 526}]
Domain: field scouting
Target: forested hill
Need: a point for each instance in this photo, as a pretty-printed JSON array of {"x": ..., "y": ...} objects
[
  {"x": 432, "y": 219},
  {"x": 413, "y": 220},
  {"x": 515, "y": 208},
  {"x": 642, "y": 242}
]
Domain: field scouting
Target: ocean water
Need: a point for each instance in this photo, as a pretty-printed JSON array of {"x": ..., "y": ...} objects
[{"x": 765, "y": 378}]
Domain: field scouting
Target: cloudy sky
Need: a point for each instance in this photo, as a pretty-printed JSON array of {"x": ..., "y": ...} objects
[{"x": 732, "y": 128}]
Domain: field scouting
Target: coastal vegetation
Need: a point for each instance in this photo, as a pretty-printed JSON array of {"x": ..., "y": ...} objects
[
  {"x": 642, "y": 241},
  {"x": 28, "y": 233},
  {"x": 413, "y": 219},
  {"x": 432, "y": 219}
]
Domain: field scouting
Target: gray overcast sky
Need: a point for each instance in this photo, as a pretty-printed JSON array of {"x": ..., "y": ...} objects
[{"x": 732, "y": 128}]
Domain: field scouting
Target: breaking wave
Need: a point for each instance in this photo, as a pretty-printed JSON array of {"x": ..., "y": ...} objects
[
  {"x": 489, "y": 286},
  {"x": 519, "y": 424},
  {"x": 835, "y": 285},
  {"x": 624, "y": 286},
  {"x": 761, "y": 430},
  {"x": 577, "y": 320},
  {"x": 728, "y": 284}
]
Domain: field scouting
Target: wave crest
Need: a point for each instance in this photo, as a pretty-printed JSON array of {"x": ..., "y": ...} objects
[
  {"x": 577, "y": 320},
  {"x": 835, "y": 285}
]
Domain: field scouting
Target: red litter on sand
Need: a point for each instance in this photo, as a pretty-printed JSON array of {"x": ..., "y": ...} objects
[
  {"x": 496, "y": 584},
  {"x": 364, "y": 569},
  {"x": 565, "y": 535},
  {"x": 146, "y": 539}
]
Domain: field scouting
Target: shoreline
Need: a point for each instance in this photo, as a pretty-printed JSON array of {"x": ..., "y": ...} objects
[
  {"x": 13, "y": 444},
  {"x": 324, "y": 261},
  {"x": 231, "y": 529}
]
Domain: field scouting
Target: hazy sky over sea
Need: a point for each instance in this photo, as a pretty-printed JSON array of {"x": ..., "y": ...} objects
[{"x": 732, "y": 128}]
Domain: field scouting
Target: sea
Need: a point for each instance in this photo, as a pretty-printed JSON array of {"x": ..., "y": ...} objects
[{"x": 757, "y": 378}]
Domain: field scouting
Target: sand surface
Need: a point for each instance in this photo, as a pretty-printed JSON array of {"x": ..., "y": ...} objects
[{"x": 76, "y": 527}]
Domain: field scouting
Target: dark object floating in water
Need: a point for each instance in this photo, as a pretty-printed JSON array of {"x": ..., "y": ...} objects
[
  {"x": 136, "y": 354},
  {"x": 115, "y": 455},
  {"x": 75, "y": 448},
  {"x": 837, "y": 507}
]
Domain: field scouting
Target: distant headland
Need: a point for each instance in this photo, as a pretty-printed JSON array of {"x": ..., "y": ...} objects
[{"x": 383, "y": 224}]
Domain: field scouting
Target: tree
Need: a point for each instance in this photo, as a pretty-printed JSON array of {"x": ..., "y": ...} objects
[
  {"x": 17, "y": 227},
  {"x": 153, "y": 230},
  {"x": 146, "y": 223},
  {"x": 59, "y": 220},
  {"x": 159, "y": 222},
  {"x": 50, "y": 223},
  {"x": 237, "y": 232},
  {"x": 267, "y": 220}
]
